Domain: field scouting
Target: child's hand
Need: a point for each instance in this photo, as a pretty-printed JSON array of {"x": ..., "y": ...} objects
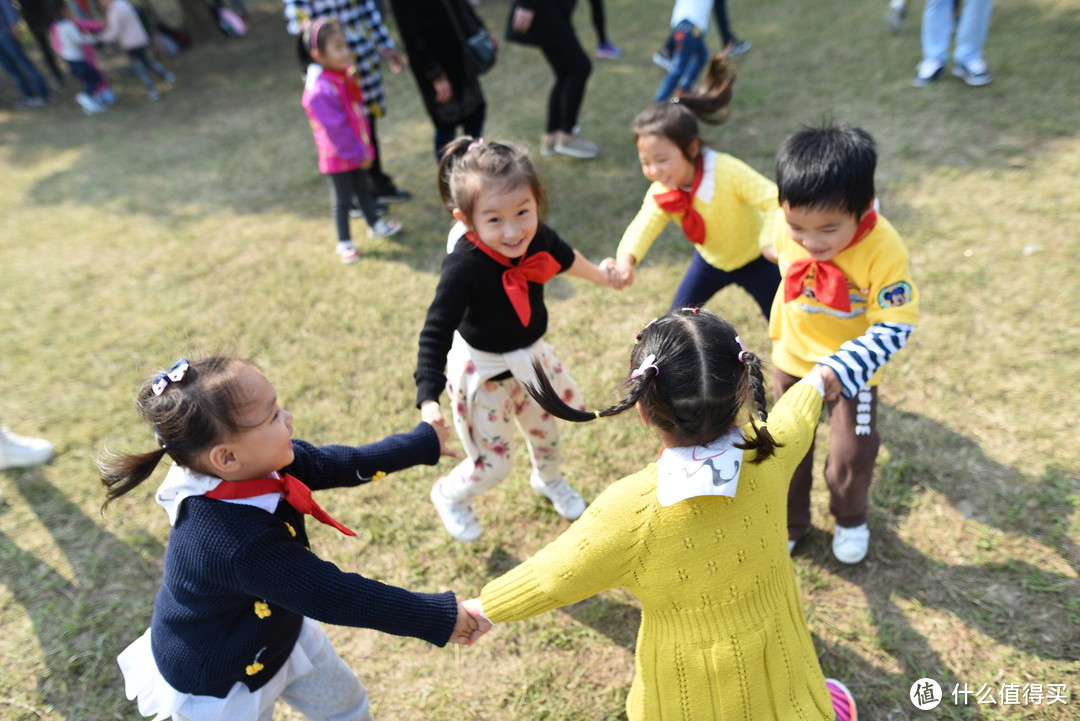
[
  {"x": 431, "y": 414},
  {"x": 624, "y": 266},
  {"x": 831, "y": 382},
  {"x": 614, "y": 277},
  {"x": 476, "y": 610},
  {"x": 464, "y": 628},
  {"x": 444, "y": 91}
]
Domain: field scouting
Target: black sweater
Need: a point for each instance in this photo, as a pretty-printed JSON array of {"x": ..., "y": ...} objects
[
  {"x": 228, "y": 564},
  {"x": 470, "y": 299}
]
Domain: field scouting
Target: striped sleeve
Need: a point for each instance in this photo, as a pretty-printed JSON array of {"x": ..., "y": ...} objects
[{"x": 858, "y": 359}]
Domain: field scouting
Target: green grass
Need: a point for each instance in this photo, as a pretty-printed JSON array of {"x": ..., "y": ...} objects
[{"x": 200, "y": 224}]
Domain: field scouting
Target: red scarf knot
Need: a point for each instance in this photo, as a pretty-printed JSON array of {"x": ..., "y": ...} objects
[
  {"x": 538, "y": 268},
  {"x": 682, "y": 201},
  {"x": 296, "y": 493},
  {"x": 830, "y": 283}
]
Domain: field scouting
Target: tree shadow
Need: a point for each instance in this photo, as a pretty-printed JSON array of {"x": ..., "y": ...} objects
[{"x": 81, "y": 623}]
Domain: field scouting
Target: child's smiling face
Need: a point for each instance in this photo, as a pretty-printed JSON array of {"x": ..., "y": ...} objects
[
  {"x": 663, "y": 162},
  {"x": 505, "y": 219},
  {"x": 822, "y": 232}
]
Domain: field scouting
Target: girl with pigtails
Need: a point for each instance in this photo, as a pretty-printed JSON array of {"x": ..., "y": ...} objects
[
  {"x": 697, "y": 536},
  {"x": 237, "y": 620}
]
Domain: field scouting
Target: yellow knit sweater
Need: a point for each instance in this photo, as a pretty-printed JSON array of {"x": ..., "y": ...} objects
[{"x": 722, "y": 635}]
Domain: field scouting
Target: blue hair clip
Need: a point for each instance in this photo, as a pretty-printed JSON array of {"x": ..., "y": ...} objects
[{"x": 174, "y": 375}]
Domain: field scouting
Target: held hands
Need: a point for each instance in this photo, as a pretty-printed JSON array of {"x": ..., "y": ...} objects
[
  {"x": 470, "y": 624},
  {"x": 614, "y": 277},
  {"x": 624, "y": 268},
  {"x": 829, "y": 380},
  {"x": 431, "y": 413}
]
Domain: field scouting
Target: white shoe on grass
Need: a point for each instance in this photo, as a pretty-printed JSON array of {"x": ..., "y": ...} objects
[
  {"x": 457, "y": 516},
  {"x": 568, "y": 503},
  {"x": 22, "y": 452},
  {"x": 849, "y": 545}
]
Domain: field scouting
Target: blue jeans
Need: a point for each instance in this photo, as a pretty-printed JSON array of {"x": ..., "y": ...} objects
[
  {"x": 686, "y": 64},
  {"x": 15, "y": 63},
  {"x": 938, "y": 25}
]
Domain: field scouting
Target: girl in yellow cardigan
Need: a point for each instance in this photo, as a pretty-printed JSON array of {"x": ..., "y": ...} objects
[
  {"x": 698, "y": 536},
  {"x": 725, "y": 208}
]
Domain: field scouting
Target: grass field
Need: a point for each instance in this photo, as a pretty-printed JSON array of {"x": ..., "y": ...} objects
[{"x": 199, "y": 224}]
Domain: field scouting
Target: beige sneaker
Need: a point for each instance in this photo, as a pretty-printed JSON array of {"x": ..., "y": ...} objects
[
  {"x": 547, "y": 144},
  {"x": 575, "y": 146}
]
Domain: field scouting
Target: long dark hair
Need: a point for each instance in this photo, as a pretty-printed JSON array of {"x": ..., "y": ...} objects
[
  {"x": 187, "y": 415},
  {"x": 691, "y": 377}
]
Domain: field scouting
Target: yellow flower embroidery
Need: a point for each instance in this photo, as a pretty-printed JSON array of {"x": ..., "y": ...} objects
[
  {"x": 292, "y": 531},
  {"x": 379, "y": 475},
  {"x": 262, "y": 610},
  {"x": 253, "y": 668}
]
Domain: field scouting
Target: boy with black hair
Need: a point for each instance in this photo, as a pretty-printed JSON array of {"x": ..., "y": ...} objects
[{"x": 847, "y": 303}]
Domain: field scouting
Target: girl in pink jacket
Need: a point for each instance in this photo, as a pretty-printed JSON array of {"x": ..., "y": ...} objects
[{"x": 334, "y": 105}]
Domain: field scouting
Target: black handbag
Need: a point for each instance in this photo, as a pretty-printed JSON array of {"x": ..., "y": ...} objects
[{"x": 479, "y": 48}]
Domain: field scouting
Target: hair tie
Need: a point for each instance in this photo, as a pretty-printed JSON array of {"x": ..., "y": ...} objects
[
  {"x": 173, "y": 375},
  {"x": 695, "y": 311},
  {"x": 649, "y": 362},
  {"x": 642, "y": 331},
  {"x": 742, "y": 356},
  {"x": 597, "y": 413},
  {"x": 475, "y": 144}
]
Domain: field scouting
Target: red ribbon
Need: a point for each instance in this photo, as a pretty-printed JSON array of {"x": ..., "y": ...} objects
[
  {"x": 538, "y": 268},
  {"x": 681, "y": 201},
  {"x": 296, "y": 493},
  {"x": 830, "y": 283}
]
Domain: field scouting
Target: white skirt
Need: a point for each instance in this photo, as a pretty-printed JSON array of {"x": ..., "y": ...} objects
[{"x": 157, "y": 698}]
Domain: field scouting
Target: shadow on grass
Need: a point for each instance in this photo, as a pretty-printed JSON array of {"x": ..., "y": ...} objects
[{"x": 84, "y": 622}]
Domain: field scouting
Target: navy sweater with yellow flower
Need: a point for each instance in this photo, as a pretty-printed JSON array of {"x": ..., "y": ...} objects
[{"x": 239, "y": 581}]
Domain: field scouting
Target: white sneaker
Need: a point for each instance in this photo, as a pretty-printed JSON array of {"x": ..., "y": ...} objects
[
  {"x": 347, "y": 251},
  {"x": 849, "y": 545},
  {"x": 568, "y": 503},
  {"x": 89, "y": 105},
  {"x": 458, "y": 516},
  {"x": 384, "y": 228},
  {"x": 21, "y": 452},
  {"x": 575, "y": 146}
]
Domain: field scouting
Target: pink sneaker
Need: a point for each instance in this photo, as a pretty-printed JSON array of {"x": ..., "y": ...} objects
[{"x": 843, "y": 702}]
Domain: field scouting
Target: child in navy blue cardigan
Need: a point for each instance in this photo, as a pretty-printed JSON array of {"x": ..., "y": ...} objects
[{"x": 234, "y": 625}]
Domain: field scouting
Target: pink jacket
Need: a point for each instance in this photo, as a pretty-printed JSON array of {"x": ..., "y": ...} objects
[{"x": 334, "y": 105}]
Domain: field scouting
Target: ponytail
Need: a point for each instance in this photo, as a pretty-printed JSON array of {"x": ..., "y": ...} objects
[
  {"x": 762, "y": 443},
  {"x": 449, "y": 155},
  {"x": 710, "y": 102},
  {"x": 545, "y": 395},
  {"x": 121, "y": 473}
]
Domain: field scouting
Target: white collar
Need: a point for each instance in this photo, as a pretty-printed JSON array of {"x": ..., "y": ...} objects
[
  {"x": 691, "y": 471},
  {"x": 181, "y": 482}
]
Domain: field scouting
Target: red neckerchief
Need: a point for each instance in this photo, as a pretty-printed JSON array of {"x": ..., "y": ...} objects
[
  {"x": 538, "y": 268},
  {"x": 681, "y": 201},
  {"x": 830, "y": 283},
  {"x": 296, "y": 494},
  {"x": 351, "y": 85}
]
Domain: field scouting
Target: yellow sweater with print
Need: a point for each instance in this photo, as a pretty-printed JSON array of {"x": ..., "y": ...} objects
[
  {"x": 723, "y": 634},
  {"x": 737, "y": 203},
  {"x": 879, "y": 286}
]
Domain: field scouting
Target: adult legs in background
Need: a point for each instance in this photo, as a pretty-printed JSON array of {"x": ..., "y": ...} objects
[
  {"x": 472, "y": 126},
  {"x": 15, "y": 63},
  {"x": 41, "y": 36},
  {"x": 971, "y": 31},
  {"x": 572, "y": 68},
  {"x": 604, "y": 47},
  {"x": 730, "y": 44},
  {"x": 385, "y": 190}
]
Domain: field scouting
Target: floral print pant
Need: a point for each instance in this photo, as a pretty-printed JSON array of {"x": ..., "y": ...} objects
[{"x": 496, "y": 409}]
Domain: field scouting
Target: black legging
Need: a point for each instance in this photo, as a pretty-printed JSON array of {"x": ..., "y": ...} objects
[
  {"x": 598, "y": 21},
  {"x": 343, "y": 186},
  {"x": 572, "y": 67}
]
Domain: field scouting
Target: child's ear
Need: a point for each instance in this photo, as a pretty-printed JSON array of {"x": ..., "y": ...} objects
[
  {"x": 695, "y": 148},
  {"x": 461, "y": 217},
  {"x": 222, "y": 459}
]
